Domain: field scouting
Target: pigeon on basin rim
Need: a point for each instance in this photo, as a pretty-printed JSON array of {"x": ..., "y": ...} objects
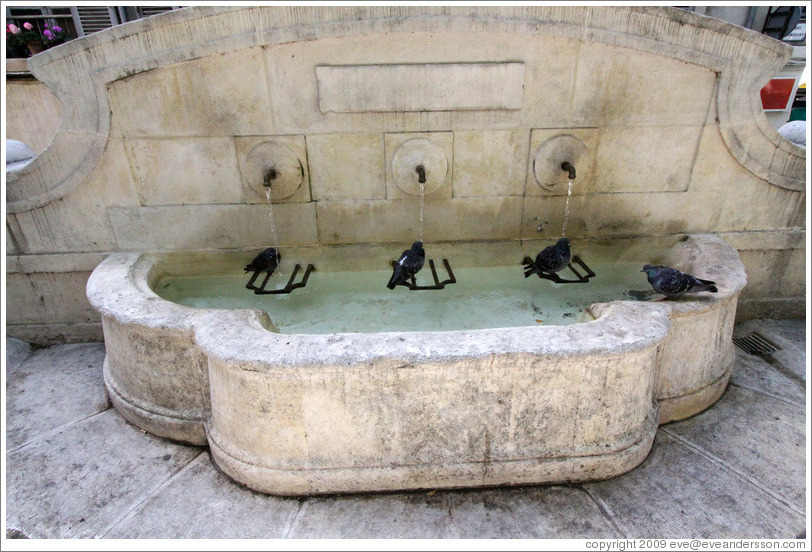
[{"x": 673, "y": 283}]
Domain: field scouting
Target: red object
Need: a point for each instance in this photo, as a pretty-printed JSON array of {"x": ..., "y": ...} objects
[{"x": 777, "y": 94}]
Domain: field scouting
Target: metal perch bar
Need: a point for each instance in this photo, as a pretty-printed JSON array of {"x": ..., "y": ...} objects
[
  {"x": 581, "y": 278},
  {"x": 290, "y": 286},
  {"x": 437, "y": 283}
]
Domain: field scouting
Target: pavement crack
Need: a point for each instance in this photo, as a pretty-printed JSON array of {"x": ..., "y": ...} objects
[
  {"x": 799, "y": 380},
  {"x": 605, "y": 510},
  {"x": 55, "y": 431},
  {"x": 724, "y": 465},
  {"x": 138, "y": 505},
  {"x": 293, "y": 518},
  {"x": 784, "y": 400}
]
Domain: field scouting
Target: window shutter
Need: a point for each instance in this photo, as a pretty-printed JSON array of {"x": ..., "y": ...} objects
[
  {"x": 146, "y": 11},
  {"x": 94, "y": 19}
]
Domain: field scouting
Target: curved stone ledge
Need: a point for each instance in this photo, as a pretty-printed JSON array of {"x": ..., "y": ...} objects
[
  {"x": 309, "y": 414},
  {"x": 431, "y": 409},
  {"x": 156, "y": 375},
  {"x": 162, "y": 422},
  {"x": 484, "y": 473},
  {"x": 698, "y": 355},
  {"x": 673, "y": 409},
  {"x": 80, "y": 71}
]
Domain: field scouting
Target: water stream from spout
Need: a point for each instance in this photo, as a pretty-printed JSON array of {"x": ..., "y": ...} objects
[
  {"x": 567, "y": 210},
  {"x": 274, "y": 237},
  {"x": 422, "y": 206}
]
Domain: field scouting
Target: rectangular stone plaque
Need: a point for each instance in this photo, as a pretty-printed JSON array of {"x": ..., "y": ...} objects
[{"x": 420, "y": 87}]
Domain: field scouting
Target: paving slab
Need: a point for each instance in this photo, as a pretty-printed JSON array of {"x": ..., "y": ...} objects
[
  {"x": 397, "y": 515},
  {"x": 83, "y": 479},
  {"x": 678, "y": 492},
  {"x": 753, "y": 372},
  {"x": 16, "y": 352},
  {"x": 530, "y": 512},
  {"x": 756, "y": 435},
  {"x": 55, "y": 387},
  {"x": 522, "y": 512},
  {"x": 201, "y": 502},
  {"x": 793, "y": 329}
]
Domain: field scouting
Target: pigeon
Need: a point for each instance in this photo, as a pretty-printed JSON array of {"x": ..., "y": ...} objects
[
  {"x": 409, "y": 264},
  {"x": 673, "y": 283},
  {"x": 553, "y": 258},
  {"x": 267, "y": 261}
]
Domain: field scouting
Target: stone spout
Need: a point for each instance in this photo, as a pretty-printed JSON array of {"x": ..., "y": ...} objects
[
  {"x": 270, "y": 175},
  {"x": 421, "y": 174},
  {"x": 569, "y": 168}
]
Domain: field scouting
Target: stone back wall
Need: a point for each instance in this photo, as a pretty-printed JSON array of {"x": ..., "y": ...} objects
[
  {"x": 491, "y": 102},
  {"x": 187, "y": 132}
]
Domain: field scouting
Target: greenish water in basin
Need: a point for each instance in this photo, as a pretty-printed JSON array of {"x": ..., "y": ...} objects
[{"x": 348, "y": 302}]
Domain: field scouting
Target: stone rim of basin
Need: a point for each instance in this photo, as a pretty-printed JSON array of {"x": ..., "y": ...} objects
[{"x": 137, "y": 302}]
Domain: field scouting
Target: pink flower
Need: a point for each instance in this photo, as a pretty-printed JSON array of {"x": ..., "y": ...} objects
[
  {"x": 48, "y": 34},
  {"x": 14, "y": 29},
  {"x": 28, "y": 26},
  {"x": 57, "y": 29}
]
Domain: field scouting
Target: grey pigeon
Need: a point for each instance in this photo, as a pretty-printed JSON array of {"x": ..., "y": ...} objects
[
  {"x": 552, "y": 258},
  {"x": 266, "y": 261},
  {"x": 409, "y": 264},
  {"x": 673, "y": 283}
]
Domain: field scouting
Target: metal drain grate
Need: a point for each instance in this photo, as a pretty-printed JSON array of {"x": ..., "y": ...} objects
[{"x": 755, "y": 344}]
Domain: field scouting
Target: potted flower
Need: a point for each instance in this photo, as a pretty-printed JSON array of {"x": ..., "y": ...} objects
[
  {"x": 32, "y": 39},
  {"x": 53, "y": 36},
  {"x": 15, "y": 42}
]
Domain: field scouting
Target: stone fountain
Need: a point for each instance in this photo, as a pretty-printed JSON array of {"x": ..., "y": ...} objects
[{"x": 168, "y": 124}]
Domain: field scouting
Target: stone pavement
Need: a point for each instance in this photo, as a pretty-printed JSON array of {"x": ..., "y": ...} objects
[{"x": 75, "y": 469}]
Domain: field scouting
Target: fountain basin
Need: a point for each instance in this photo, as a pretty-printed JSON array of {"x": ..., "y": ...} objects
[{"x": 300, "y": 414}]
